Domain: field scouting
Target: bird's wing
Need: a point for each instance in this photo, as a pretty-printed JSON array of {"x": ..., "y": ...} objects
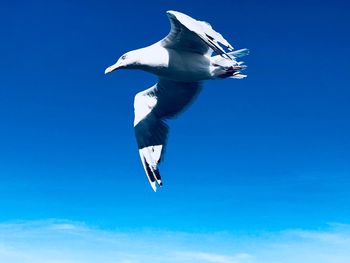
[
  {"x": 192, "y": 35},
  {"x": 152, "y": 107}
]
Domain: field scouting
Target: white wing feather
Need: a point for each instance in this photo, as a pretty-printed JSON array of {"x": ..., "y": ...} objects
[
  {"x": 152, "y": 107},
  {"x": 195, "y": 36}
]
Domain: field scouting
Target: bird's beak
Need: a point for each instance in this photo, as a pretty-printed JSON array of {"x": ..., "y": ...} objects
[{"x": 113, "y": 67}]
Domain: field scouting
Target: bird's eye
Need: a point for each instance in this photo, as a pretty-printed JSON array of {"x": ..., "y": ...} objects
[{"x": 124, "y": 56}]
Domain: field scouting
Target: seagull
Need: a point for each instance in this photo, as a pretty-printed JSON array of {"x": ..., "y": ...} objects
[{"x": 181, "y": 61}]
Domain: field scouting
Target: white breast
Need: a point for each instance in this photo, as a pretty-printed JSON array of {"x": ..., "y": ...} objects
[{"x": 178, "y": 65}]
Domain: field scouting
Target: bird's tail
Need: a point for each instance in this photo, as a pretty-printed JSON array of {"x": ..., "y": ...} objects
[{"x": 229, "y": 68}]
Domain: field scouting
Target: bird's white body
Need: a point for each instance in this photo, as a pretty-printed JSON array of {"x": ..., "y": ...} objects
[
  {"x": 181, "y": 61},
  {"x": 177, "y": 65}
]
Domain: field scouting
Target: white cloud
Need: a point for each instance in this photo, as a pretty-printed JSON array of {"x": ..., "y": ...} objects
[
  {"x": 196, "y": 256},
  {"x": 59, "y": 241}
]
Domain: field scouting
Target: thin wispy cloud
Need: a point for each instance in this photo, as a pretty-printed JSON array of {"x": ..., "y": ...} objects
[
  {"x": 57, "y": 241},
  {"x": 197, "y": 256}
]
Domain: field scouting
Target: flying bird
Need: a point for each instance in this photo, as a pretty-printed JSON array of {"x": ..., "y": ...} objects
[{"x": 181, "y": 61}]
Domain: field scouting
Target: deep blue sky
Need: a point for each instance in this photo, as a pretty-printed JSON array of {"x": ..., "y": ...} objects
[{"x": 265, "y": 153}]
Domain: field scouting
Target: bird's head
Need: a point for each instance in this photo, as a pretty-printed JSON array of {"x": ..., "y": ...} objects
[{"x": 127, "y": 61}]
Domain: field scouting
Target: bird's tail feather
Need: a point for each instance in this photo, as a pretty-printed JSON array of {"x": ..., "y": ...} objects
[
  {"x": 225, "y": 68},
  {"x": 233, "y": 72}
]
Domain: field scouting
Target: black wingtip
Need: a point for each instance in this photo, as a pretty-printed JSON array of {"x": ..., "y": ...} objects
[{"x": 149, "y": 172}]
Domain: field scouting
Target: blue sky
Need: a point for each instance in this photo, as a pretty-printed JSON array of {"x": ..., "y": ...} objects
[{"x": 266, "y": 154}]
